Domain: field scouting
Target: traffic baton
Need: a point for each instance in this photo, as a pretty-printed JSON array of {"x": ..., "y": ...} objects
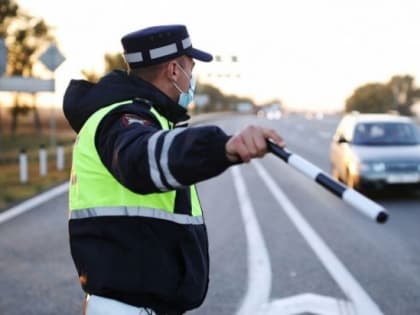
[{"x": 350, "y": 196}]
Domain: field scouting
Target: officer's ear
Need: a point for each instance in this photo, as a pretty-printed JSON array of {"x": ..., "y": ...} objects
[{"x": 171, "y": 70}]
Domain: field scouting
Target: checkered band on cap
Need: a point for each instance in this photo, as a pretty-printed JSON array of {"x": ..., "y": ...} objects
[{"x": 158, "y": 44}]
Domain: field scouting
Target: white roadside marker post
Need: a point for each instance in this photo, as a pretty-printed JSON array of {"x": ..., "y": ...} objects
[
  {"x": 23, "y": 166},
  {"x": 60, "y": 157},
  {"x": 43, "y": 161}
]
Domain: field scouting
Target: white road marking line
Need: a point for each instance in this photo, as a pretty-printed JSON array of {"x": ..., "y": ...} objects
[
  {"x": 351, "y": 288},
  {"x": 309, "y": 303},
  {"x": 259, "y": 268},
  {"x": 256, "y": 300},
  {"x": 33, "y": 202}
]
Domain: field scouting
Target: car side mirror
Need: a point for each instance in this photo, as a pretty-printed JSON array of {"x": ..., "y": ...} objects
[{"x": 341, "y": 139}]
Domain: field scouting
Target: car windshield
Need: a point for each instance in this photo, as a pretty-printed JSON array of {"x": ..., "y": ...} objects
[{"x": 385, "y": 133}]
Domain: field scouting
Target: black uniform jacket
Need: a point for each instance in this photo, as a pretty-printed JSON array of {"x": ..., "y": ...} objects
[{"x": 143, "y": 261}]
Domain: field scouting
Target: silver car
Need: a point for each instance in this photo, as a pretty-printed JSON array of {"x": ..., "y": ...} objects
[{"x": 375, "y": 151}]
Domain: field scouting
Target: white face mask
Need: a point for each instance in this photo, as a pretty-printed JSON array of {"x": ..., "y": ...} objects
[{"x": 185, "y": 98}]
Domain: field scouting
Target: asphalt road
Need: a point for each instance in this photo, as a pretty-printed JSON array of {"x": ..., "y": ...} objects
[{"x": 279, "y": 243}]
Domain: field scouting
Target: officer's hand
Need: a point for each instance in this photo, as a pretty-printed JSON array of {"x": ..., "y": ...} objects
[{"x": 251, "y": 143}]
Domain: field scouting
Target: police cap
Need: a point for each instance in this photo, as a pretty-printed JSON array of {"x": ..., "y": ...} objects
[{"x": 157, "y": 44}]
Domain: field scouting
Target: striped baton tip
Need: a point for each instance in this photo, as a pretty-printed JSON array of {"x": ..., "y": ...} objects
[{"x": 348, "y": 195}]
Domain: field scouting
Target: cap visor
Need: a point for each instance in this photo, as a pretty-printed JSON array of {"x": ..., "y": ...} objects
[{"x": 199, "y": 55}]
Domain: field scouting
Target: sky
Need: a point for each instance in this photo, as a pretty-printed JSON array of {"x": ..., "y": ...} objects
[{"x": 311, "y": 54}]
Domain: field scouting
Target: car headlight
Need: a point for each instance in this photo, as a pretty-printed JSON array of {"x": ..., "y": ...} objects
[
  {"x": 372, "y": 167},
  {"x": 378, "y": 167}
]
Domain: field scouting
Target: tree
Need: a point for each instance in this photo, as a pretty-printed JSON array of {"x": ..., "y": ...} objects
[
  {"x": 8, "y": 10},
  {"x": 371, "y": 98},
  {"x": 91, "y": 75},
  {"x": 112, "y": 61},
  {"x": 25, "y": 37},
  {"x": 404, "y": 93},
  {"x": 216, "y": 97}
]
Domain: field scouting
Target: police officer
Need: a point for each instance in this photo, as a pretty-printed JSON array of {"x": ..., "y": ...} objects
[{"x": 137, "y": 234}]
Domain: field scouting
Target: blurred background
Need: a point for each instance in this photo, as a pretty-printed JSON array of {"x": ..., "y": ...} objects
[
  {"x": 296, "y": 66},
  {"x": 312, "y": 57},
  {"x": 309, "y": 57}
]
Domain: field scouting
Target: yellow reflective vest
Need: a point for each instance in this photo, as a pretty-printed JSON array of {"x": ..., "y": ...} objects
[{"x": 95, "y": 192}]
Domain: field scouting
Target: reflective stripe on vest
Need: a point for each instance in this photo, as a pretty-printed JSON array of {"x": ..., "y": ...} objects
[
  {"x": 94, "y": 187},
  {"x": 136, "y": 212}
]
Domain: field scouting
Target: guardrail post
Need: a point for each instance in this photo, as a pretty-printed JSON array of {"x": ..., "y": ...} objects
[
  {"x": 60, "y": 157},
  {"x": 42, "y": 161},
  {"x": 23, "y": 166}
]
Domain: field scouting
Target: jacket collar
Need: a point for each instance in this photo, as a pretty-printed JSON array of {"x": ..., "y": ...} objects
[{"x": 160, "y": 101}]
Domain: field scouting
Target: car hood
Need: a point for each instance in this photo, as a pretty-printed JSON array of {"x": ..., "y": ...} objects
[{"x": 385, "y": 153}]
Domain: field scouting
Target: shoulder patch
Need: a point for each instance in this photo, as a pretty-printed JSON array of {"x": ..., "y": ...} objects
[{"x": 128, "y": 119}]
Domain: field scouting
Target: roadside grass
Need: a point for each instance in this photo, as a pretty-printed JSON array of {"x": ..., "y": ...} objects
[{"x": 11, "y": 190}]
